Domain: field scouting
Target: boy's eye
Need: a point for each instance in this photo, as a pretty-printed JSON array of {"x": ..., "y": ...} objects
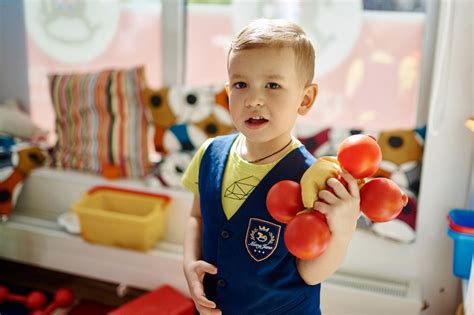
[
  {"x": 273, "y": 85},
  {"x": 240, "y": 85}
]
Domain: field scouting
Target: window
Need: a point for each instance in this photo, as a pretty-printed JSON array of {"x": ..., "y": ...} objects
[
  {"x": 81, "y": 36},
  {"x": 368, "y": 54}
]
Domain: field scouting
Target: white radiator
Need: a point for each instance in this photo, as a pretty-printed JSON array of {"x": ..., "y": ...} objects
[{"x": 355, "y": 294}]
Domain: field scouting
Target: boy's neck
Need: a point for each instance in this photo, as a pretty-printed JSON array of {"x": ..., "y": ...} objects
[{"x": 267, "y": 152}]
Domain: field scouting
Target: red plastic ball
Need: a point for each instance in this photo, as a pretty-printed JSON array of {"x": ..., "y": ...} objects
[
  {"x": 382, "y": 200},
  {"x": 35, "y": 300},
  {"x": 360, "y": 155},
  {"x": 307, "y": 235},
  {"x": 284, "y": 200},
  {"x": 63, "y": 297}
]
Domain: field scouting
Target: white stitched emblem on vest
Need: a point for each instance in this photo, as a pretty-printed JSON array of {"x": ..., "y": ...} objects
[{"x": 262, "y": 238}]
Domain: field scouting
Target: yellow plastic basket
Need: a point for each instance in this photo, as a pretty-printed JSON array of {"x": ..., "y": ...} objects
[{"x": 122, "y": 217}]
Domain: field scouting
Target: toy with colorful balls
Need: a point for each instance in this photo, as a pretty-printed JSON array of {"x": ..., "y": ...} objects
[{"x": 307, "y": 233}]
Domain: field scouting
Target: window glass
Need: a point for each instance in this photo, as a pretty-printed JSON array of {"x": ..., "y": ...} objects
[{"x": 368, "y": 54}]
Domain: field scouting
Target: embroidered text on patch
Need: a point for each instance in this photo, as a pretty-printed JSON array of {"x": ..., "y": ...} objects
[{"x": 261, "y": 239}]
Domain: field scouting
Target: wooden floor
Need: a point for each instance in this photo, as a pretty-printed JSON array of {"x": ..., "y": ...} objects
[{"x": 16, "y": 274}]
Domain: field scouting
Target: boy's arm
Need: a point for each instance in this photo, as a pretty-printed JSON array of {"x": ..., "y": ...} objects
[
  {"x": 317, "y": 270},
  {"x": 342, "y": 211},
  {"x": 194, "y": 268},
  {"x": 192, "y": 239}
]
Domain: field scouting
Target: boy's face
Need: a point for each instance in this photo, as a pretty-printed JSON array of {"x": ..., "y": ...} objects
[{"x": 266, "y": 93}]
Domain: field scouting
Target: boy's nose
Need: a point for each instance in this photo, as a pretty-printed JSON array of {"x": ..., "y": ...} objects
[{"x": 254, "y": 100}]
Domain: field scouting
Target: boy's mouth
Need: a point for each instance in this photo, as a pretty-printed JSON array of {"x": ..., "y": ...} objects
[{"x": 256, "y": 121}]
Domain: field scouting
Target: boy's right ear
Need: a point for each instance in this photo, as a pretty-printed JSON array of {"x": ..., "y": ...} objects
[
  {"x": 311, "y": 92},
  {"x": 226, "y": 86}
]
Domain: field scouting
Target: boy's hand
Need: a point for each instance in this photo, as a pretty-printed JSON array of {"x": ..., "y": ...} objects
[
  {"x": 342, "y": 208},
  {"x": 194, "y": 273}
]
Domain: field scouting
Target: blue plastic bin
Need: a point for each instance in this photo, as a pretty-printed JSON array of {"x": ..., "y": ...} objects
[
  {"x": 463, "y": 251},
  {"x": 461, "y": 220}
]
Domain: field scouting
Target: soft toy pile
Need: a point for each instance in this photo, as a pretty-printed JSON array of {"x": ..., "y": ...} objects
[
  {"x": 183, "y": 119},
  {"x": 17, "y": 158}
]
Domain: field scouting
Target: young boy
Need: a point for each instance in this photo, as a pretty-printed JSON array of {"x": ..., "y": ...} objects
[{"x": 235, "y": 259}]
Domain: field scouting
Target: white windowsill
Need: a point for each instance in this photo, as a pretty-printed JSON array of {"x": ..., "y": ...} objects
[{"x": 41, "y": 243}]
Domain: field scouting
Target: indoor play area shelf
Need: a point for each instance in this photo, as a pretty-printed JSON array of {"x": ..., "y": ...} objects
[{"x": 43, "y": 243}]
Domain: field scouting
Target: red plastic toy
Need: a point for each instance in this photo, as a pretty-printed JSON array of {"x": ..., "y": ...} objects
[
  {"x": 284, "y": 200},
  {"x": 36, "y": 300},
  {"x": 314, "y": 241},
  {"x": 360, "y": 156},
  {"x": 308, "y": 234},
  {"x": 164, "y": 300},
  {"x": 33, "y": 301},
  {"x": 382, "y": 200}
]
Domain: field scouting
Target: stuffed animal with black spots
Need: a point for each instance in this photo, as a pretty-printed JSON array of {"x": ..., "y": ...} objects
[
  {"x": 170, "y": 170},
  {"x": 216, "y": 124},
  {"x": 162, "y": 114},
  {"x": 402, "y": 153},
  {"x": 178, "y": 111},
  {"x": 222, "y": 99}
]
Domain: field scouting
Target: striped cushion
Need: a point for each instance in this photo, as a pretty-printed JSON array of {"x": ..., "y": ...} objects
[{"x": 100, "y": 122}]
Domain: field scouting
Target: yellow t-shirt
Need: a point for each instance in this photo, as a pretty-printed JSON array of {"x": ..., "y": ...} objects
[{"x": 240, "y": 176}]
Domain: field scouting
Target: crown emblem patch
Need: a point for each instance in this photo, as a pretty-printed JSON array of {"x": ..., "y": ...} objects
[{"x": 261, "y": 239}]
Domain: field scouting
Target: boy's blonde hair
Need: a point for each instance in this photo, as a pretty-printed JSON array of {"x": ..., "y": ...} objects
[{"x": 265, "y": 33}]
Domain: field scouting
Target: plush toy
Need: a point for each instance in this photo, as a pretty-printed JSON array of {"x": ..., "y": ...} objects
[
  {"x": 315, "y": 178},
  {"x": 162, "y": 114},
  {"x": 6, "y": 143},
  {"x": 317, "y": 143},
  {"x": 402, "y": 152},
  {"x": 192, "y": 103},
  {"x": 182, "y": 137},
  {"x": 188, "y": 136},
  {"x": 16, "y": 160},
  {"x": 217, "y": 123},
  {"x": 170, "y": 170},
  {"x": 185, "y": 117},
  {"x": 23, "y": 161},
  {"x": 222, "y": 98}
]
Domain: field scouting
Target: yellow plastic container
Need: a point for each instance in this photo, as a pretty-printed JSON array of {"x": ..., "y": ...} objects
[{"x": 122, "y": 217}]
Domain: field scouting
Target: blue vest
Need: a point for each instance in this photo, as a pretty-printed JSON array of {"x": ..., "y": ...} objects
[{"x": 256, "y": 273}]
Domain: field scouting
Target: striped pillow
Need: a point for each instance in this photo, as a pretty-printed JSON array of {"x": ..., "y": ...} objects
[{"x": 100, "y": 122}]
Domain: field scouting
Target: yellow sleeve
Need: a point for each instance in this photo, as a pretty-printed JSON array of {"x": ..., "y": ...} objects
[{"x": 190, "y": 178}]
